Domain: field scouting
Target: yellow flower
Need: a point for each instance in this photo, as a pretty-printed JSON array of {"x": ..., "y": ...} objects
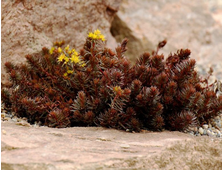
[
  {"x": 65, "y": 74},
  {"x": 75, "y": 59},
  {"x": 69, "y": 71},
  {"x": 61, "y": 57},
  {"x": 83, "y": 65},
  {"x": 74, "y": 52},
  {"x": 102, "y": 37},
  {"x": 90, "y": 35},
  {"x": 59, "y": 50},
  {"x": 51, "y": 50},
  {"x": 67, "y": 48},
  {"x": 97, "y": 32},
  {"x": 96, "y": 35},
  {"x": 93, "y": 36},
  {"x": 66, "y": 60}
]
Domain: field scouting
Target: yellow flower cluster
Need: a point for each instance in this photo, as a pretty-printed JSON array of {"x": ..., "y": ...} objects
[
  {"x": 96, "y": 35},
  {"x": 69, "y": 57},
  {"x": 51, "y": 50}
]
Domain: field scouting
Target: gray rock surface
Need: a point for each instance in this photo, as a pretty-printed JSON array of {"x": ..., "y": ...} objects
[{"x": 90, "y": 148}]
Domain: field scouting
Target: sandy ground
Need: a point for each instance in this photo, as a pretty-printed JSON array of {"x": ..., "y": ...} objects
[{"x": 86, "y": 148}]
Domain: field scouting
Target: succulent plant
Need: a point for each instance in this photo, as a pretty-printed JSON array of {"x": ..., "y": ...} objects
[{"x": 97, "y": 86}]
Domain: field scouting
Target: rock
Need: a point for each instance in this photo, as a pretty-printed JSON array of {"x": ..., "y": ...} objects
[
  {"x": 28, "y": 26},
  {"x": 205, "y": 126},
  {"x": 211, "y": 134},
  {"x": 219, "y": 124},
  {"x": 209, "y": 125},
  {"x": 219, "y": 135},
  {"x": 101, "y": 148},
  {"x": 196, "y": 25},
  {"x": 217, "y": 131},
  {"x": 210, "y": 129},
  {"x": 201, "y": 130},
  {"x": 194, "y": 129},
  {"x": 191, "y": 133}
]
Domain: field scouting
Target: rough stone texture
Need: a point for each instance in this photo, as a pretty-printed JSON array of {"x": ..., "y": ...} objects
[
  {"x": 196, "y": 25},
  {"x": 46, "y": 148},
  {"x": 29, "y": 25}
]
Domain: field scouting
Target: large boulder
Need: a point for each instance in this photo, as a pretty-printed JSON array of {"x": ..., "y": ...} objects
[
  {"x": 27, "y": 26},
  {"x": 185, "y": 24}
]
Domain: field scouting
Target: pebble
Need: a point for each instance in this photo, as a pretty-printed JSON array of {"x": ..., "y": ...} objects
[
  {"x": 191, "y": 133},
  {"x": 219, "y": 135},
  {"x": 211, "y": 134},
  {"x": 209, "y": 125},
  {"x": 201, "y": 130},
  {"x": 213, "y": 128},
  {"x": 210, "y": 129},
  {"x": 193, "y": 129},
  {"x": 219, "y": 125},
  {"x": 216, "y": 131},
  {"x": 205, "y": 126}
]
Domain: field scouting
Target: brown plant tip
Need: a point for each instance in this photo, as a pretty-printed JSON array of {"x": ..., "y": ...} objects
[
  {"x": 59, "y": 43},
  {"x": 124, "y": 45},
  {"x": 162, "y": 44},
  {"x": 45, "y": 50}
]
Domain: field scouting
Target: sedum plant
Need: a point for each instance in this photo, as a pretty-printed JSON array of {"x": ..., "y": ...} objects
[{"x": 97, "y": 86}]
